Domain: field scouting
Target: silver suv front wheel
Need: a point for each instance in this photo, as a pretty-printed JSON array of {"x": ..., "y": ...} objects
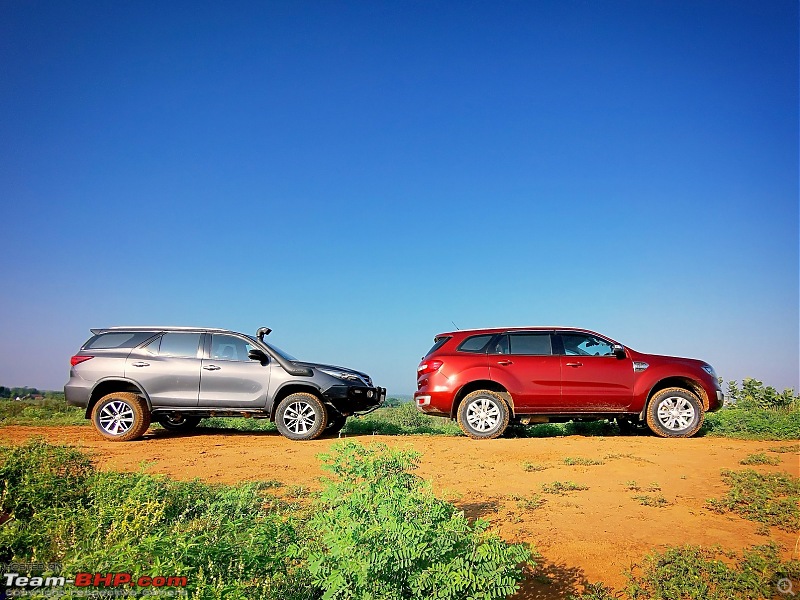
[{"x": 301, "y": 416}]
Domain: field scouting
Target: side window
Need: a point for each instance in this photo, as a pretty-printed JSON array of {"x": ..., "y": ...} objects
[
  {"x": 476, "y": 343},
  {"x": 229, "y": 347},
  {"x": 152, "y": 347},
  {"x": 531, "y": 344},
  {"x": 583, "y": 344},
  {"x": 179, "y": 345},
  {"x": 500, "y": 346}
]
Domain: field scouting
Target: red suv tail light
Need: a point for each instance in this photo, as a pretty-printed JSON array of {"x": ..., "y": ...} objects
[
  {"x": 77, "y": 359},
  {"x": 429, "y": 366}
]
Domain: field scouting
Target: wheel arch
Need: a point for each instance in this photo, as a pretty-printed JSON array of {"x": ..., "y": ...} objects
[
  {"x": 686, "y": 383},
  {"x": 292, "y": 388},
  {"x": 481, "y": 384},
  {"x": 111, "y": 385}
]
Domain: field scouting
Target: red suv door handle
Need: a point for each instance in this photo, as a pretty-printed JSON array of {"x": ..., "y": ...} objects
[
  {"x": 574, "y": 364},
  {"x": 505, "y": 363}
]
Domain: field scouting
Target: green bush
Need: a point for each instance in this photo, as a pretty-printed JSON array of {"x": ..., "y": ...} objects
[
  {"x": 753, "y": 394},
  {"x": 381, "y": 533}
]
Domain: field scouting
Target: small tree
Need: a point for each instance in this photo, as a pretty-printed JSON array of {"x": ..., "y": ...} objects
[{"x": 381, "y": 533}]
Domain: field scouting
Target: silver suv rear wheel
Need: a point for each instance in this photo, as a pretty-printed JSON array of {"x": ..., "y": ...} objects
[{"x": 121, "y": 416}]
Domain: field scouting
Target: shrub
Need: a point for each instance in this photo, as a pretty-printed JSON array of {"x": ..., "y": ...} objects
[
  {"x": 753, "y": 394},
  {"x": 381, "y": 533}
]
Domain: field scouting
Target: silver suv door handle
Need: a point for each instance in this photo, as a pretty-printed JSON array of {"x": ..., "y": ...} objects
[
  {"x": 141, "y": 364},
  {"x": 212, "y": 368}
]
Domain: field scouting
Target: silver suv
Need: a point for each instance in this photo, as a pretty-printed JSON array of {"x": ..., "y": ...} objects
[{"x": 127, "y": 376}]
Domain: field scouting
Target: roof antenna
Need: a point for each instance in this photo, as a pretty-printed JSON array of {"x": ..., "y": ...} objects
[{"x": 454, "y": 325}]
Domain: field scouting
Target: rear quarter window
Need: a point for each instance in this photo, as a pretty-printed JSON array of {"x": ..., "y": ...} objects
[
  {"x": 438, "y": 343},
  {"x": 121, "y": 339},
  {"x": 475, "y": 344}
]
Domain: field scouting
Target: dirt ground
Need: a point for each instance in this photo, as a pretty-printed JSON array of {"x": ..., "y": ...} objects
[{"x": 583, "y": 536}]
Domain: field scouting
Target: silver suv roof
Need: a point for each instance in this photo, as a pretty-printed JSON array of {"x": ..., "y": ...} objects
[{"x": 98, "y": 331}]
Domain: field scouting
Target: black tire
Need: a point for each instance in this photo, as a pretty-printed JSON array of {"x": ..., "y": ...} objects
[
  {"x": 336, "y": 421},
  {"x": 631, "y": 426},
  {"x": 675, "y": 413},
  {"x": 483, "y": 415},
  {"x": 121, "y": 416},
  {"x": 301, "y": 416},
  {"x": 178, "y": 422}
]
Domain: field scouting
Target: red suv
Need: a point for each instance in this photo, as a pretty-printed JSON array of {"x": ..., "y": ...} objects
[{"x": 487, "y": 377}]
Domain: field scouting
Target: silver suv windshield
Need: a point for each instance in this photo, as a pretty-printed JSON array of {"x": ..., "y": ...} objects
[{"x": 275, "y": 349}]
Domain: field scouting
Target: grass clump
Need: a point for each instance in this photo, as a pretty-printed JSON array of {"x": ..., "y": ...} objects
[
  {"x": 759, "y": 459},
  {"x": 648, "y": 500},
  {"x": 528, "y": 502},
  {"x": 768, "y": 498},
  {"x": 785, "y": 449},
  {"x": 533, "y": 467},
  {"x": 562, "y": 488},
  {"x": 580, "y": 461}
]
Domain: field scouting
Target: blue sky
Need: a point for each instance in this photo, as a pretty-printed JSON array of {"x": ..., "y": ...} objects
[{"x": 359, "y": 175}]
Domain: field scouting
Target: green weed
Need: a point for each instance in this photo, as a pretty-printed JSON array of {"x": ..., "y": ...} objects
[
  {"x": 696, "y": 573},
  {"x": 532, "y": 467},
  {"x": 561, "y": 488},
  {"x": 647, "y": 500},
  {"x": 579, "y": 461},
  {"x": 785, "y": 449},
  {"x": 769, "y": 498},
  {"x": 528, "y": 502},
  {"x": 760, "y": 459}
]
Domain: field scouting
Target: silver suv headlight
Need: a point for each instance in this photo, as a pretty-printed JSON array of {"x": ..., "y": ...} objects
[{"x": 344, "y": 375}]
